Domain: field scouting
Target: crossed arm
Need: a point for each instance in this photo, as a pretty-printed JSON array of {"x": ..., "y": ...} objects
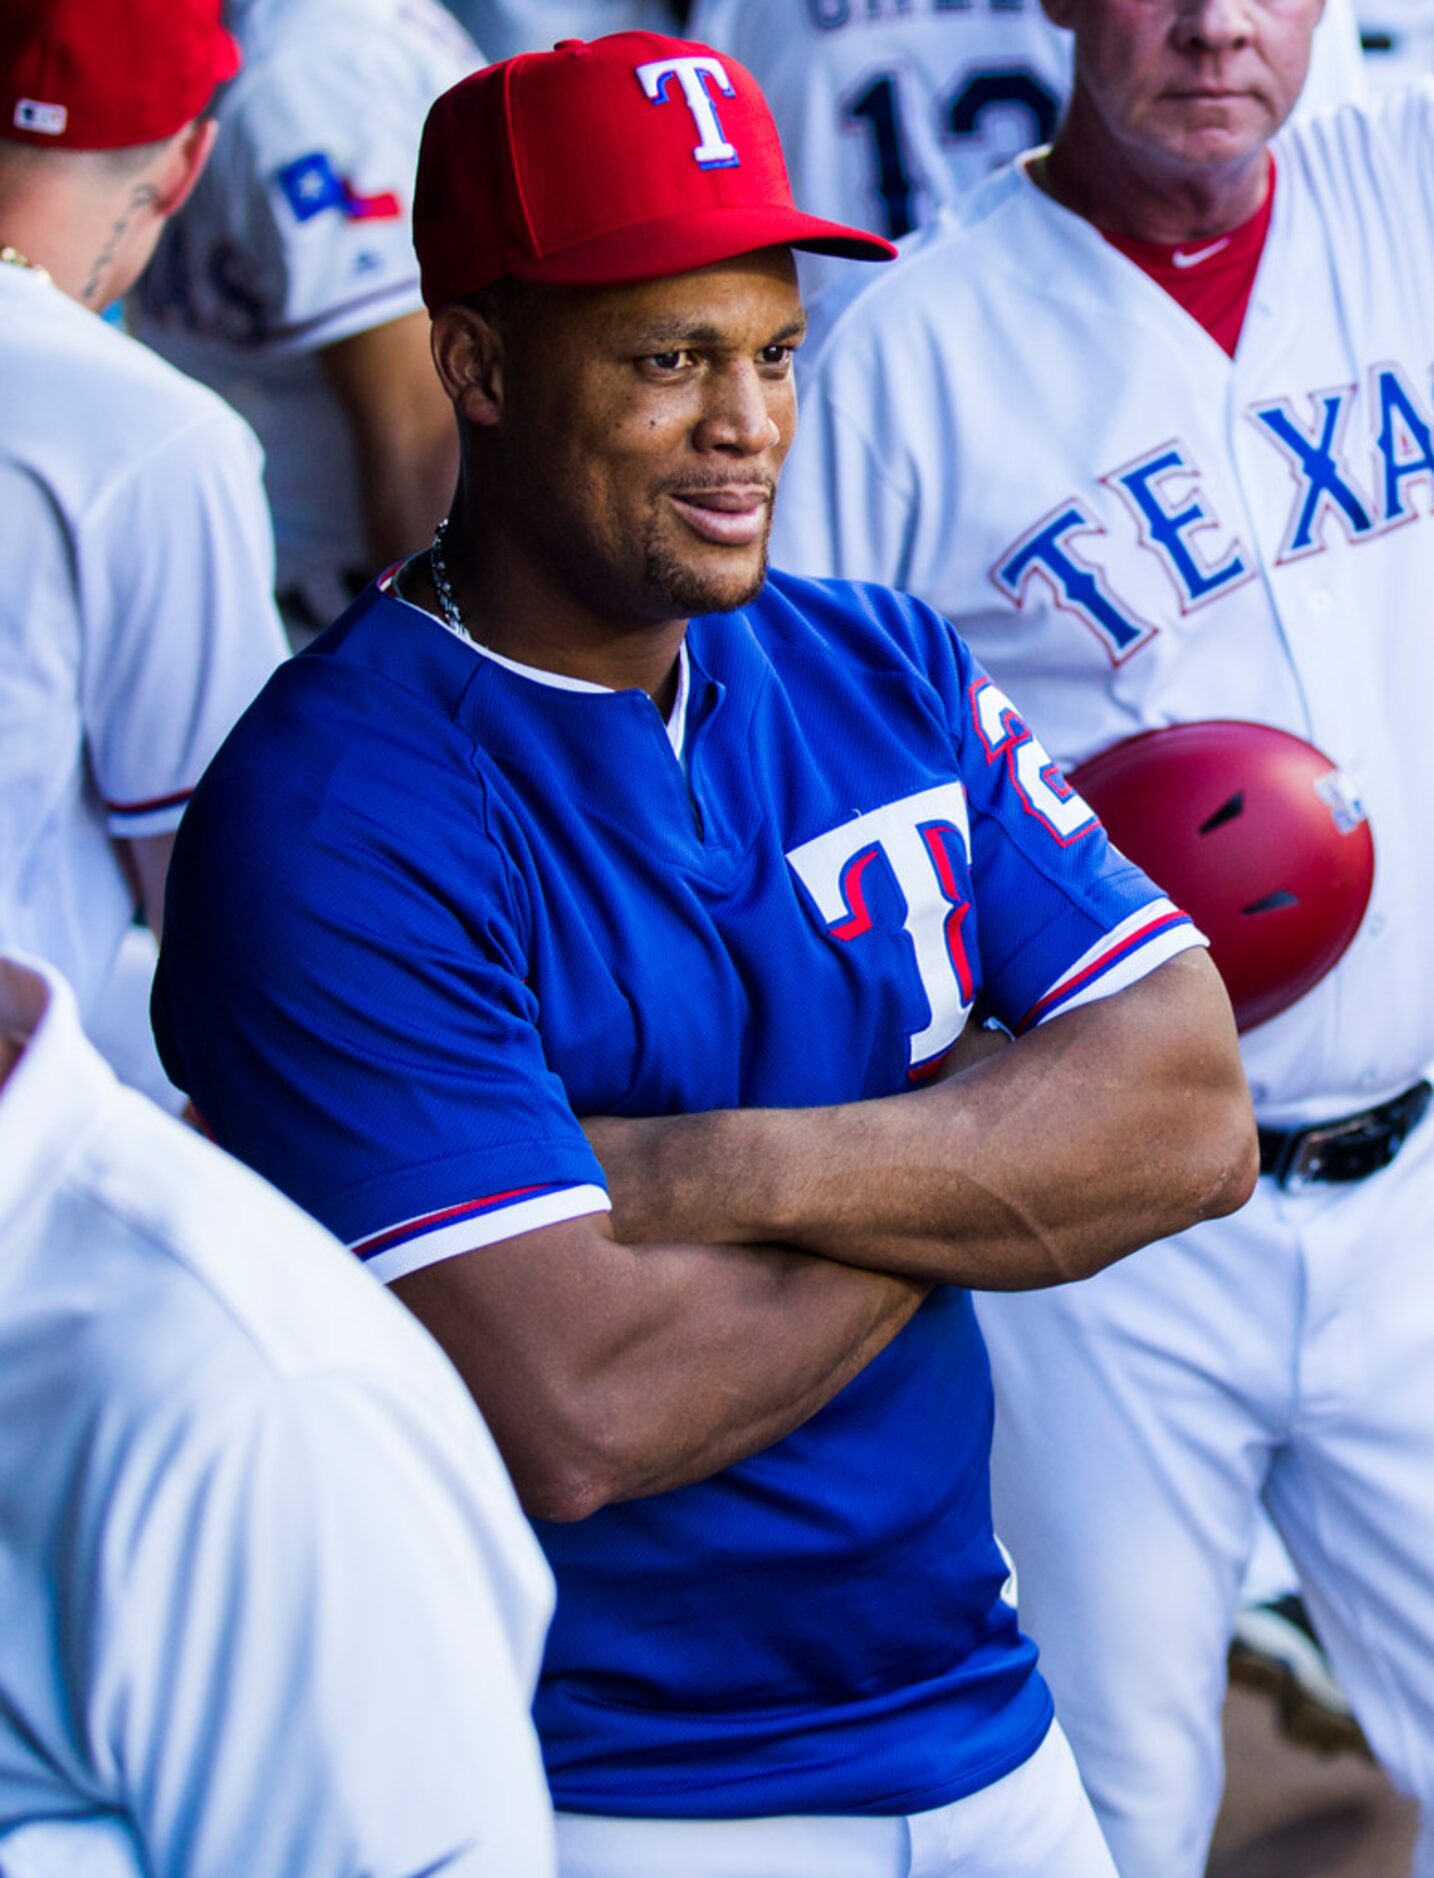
[
  {"x": 1027, "y": 1165},
  {"x": 757, "y": 1260}
]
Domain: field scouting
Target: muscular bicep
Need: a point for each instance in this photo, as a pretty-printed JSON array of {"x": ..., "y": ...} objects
[
  {"x": 529, "y": 1322},
  {"x": 608, "y": 1371}
]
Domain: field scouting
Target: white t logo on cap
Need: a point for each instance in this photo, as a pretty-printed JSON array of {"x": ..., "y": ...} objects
[{"x": 713, "y": 151}]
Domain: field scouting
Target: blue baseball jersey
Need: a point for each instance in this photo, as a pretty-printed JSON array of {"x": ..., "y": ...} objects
[{"x": 427, "y": 909}]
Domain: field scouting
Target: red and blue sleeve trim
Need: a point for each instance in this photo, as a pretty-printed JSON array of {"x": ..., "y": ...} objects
[
  {"x": 1148, "y": 938},
  {"x": 448, "y": 1231}
]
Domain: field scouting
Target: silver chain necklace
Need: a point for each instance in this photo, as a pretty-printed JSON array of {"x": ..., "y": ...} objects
[{"x": 443, "y": 586}]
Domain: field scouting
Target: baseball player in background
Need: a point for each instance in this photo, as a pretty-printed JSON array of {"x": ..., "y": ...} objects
[
  {"x": 136, "y": 620},
  {"x": 270, "y": 1604},
  {"x": 289, "y": 285},
  {"x": 575, "y": 816},
  {"x": 889, "y": 113},
  {"x": 1155, "y": 428}
]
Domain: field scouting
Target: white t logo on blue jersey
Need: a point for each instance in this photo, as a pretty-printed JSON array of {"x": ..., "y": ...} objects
[{"x": 908, "y": 837}]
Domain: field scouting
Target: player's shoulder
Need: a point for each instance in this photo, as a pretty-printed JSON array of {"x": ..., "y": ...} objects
[
  {"x": 374, "y": 670},
  {"x": 89, "y": 406},
  {"x": 382, "y": 657},
  {"x": 114, "y": 380},
  {"x": 203, "y": 1311},
  {"x": 307, "y": 51},
  {"x": 336, "y": 82},
  {"x": 221, "y": 1250},
  {"x": 173, "y": 1275},
  {"x": 298, "y": 233},
  {"x": 937, "y": 267},
  {"x": 1366, "y": 142},
  {"x": 186, "y": 1239},
  {"x": 860, "y": 622},
  {"x": 357, "y": 744}
]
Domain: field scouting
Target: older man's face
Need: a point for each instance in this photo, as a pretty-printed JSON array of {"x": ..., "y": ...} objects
[{"x": 1198, "y": 83}]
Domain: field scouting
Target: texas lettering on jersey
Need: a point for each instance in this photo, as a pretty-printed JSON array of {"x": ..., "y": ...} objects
[{"x": 1339, "y": 491}]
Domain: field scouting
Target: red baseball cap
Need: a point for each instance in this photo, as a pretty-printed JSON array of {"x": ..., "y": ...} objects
[
  {"x": 108, "y": 74},
  {"x": 627, "y": 158}
]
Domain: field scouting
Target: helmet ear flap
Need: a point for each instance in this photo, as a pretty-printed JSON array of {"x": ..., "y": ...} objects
[{"x": 1257, "y": 835}]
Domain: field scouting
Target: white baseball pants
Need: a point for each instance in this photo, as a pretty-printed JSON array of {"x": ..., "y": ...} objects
[
  {"x": 1287, "y": 1353},
  {"x": 1035, "y": 1823}
]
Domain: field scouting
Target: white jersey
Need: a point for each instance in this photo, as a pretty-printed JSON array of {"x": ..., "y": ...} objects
[
  {"x": 506, "y": 27},
  {"x": 1131, "y": 529},
  {"x": 888, "y": 113},
  {"x": 299, "y": 235},
  {"x": 1337, "y": 73},
  {"x": 136, "y": 622},
  {"x": 270, "y": 1603},
  {"x": 1398, "y": 41}
]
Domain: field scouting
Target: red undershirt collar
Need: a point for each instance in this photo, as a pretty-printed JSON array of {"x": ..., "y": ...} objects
[{"x": 1211, "y": 279}]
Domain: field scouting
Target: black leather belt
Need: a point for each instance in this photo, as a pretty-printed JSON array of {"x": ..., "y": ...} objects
[{"x": 1347, "y": 1149}]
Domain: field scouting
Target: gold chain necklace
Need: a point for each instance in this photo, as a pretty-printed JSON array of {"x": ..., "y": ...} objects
[{"x": 12, "y": 257}]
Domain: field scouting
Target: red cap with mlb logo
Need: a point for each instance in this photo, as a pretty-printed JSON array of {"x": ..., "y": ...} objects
[
  {"x": 108, "y": 74},
  {"x": 627, "y": 158}
]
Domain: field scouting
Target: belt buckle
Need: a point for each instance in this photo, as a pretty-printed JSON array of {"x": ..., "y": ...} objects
[
  {"x": 1304, "y": 1163},
  {"x": 1380, "y": 1132}
]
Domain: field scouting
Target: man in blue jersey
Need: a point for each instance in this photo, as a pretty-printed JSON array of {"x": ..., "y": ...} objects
[{"x": 581, "y": 814}]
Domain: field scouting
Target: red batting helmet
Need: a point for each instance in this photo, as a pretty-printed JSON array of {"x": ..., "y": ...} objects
[{"x": 1257, "y": 835}]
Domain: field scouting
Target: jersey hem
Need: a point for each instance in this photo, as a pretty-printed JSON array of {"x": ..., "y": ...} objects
[{"x": 697, "y": 1802}]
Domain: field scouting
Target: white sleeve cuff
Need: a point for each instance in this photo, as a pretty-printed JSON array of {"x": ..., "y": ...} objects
[
  {"x": 431, "y": 1237},
  {"x": 1123, "y": 957}
]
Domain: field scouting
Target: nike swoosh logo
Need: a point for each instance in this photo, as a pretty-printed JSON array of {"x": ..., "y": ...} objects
[{"x": 1197, "y": 255}]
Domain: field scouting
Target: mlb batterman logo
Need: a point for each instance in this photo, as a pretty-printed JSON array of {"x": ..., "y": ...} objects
[
  {"x": 32, "y": 114},
  {"x": 712, "y": 150}
]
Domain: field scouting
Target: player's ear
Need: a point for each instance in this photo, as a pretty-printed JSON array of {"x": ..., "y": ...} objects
[
  {"x": 188, "y": 153},
  {"x": 468, "y": 354}
]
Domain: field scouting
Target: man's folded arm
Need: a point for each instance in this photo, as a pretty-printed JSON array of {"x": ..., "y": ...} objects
[
  {"x": 608, "y": 1371},
  {"x": 1111, "y": 1125}
]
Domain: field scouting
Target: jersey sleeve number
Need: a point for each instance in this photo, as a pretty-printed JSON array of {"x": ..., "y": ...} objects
[{"x": 876, "y": 108}]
